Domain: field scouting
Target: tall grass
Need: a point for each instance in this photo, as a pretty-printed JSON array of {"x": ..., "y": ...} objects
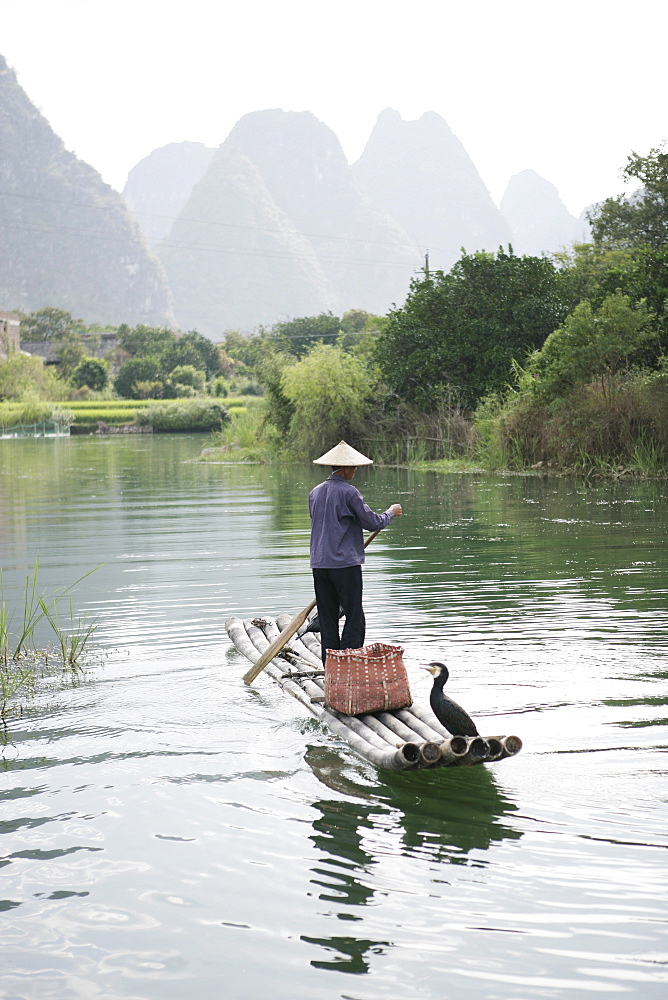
[
  {"x": 246, "y": 438},
  {"x": 33, "y": 411},
  {"x": 21, "y": 658},
  {"x": 183, "y": 415},
  {"x": 402, "y": 435}
]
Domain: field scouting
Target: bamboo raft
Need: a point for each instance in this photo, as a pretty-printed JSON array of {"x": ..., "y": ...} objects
[{"x": 399, "y": 740}]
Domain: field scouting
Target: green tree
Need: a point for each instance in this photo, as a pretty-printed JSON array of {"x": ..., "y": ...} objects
[
  {"x": 359, "y": 332},
  {"x": 92, "y": 372},
  {"x": 280, "y": 409},
  {"x": 297, "y": 336},
  {"x": 206, "y": 349},
  {"x": 50, "y": 324},
  {"x": 640, "y": 219},
  {"x": 134, "y": 371},
  {"x": 60, "y": 329},
  {"x": 185, "y": 380},
  {"x": 145, "y": 341},
  {"x": 23, "y": 375},
  {"x": 330, "y": 395},
  {"x": 71, "y": 352},
  {"x": 178, "y": 354},
  {"x": 593, "y": 271},
  {"x": 245, "y": 350},
  {"x": 457, "y": 333},
  {"x": 591, "y": 344}
]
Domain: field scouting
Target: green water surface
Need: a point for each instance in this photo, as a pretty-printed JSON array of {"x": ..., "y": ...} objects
[{"x": 168, "y": 833}]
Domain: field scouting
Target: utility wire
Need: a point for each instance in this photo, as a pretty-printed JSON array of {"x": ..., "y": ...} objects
[
  {"x": 210, "y": 247},
  {"x": 222, "y": 225}
]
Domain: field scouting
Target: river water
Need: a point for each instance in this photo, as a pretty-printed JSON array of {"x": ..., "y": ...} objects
[{"x": 168, "y": 832}]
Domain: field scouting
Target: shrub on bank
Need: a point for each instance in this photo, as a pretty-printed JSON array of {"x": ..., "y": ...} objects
[
  {"x": 620, "y": 427},
  {"x": 33, "y": 411},
  {"x": 248, "y": 437},
  {"x": 183, "y": 415}
]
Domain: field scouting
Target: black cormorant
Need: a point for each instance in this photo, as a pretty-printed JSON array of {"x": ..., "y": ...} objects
[{"x": 448, "y": 712}]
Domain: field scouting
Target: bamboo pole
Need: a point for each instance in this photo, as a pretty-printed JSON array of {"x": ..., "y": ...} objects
[
  {"x": 287, "y": 633},
  {"x": 511, "y": 745},
  {"x": 391, "y": 758},
  {"x": 495, "y": 748},
  {"x": 356, "y": 724}
]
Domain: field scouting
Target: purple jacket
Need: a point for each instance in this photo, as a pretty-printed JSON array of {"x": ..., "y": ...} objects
[{"x": 338, "y": 514}]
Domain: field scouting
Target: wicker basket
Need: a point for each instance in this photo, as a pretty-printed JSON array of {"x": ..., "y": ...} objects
[{"x": 370, "y": 679}]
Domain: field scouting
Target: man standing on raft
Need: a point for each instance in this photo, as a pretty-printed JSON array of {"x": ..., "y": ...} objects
[{"x": 338, "y": 515}]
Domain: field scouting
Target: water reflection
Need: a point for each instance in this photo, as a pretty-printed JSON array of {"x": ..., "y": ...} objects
[
  {"x": 445, "y": 813},
  {"x": 444, "y": 816}
]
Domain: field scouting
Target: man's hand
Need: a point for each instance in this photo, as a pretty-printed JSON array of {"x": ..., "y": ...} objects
[{"x": 396, "y": 509}]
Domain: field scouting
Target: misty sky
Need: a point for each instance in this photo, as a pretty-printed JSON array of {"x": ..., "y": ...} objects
[{"x": 567, "y": 89}]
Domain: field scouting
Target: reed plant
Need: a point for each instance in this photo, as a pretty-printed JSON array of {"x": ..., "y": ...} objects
[
  {"x": 247, "y": 437},
  {"x": 22, "y": 659},
  {"x": 400, "y": 434}
]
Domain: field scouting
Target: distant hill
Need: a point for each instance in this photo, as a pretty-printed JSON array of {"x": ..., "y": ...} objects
[
  {"x": 278, "y": 227},
  {"x": 272, "y": 225},
  {"x": 281, "y": 225},
  {"x": 420, "y": 173},
  {"x": 234, "y": 259},
  {"x": 365, "y": 254},
  {"x": 68, "y": 239},
  {"x": 538, "y": 219},
  {"x": 159, "y": 186}
]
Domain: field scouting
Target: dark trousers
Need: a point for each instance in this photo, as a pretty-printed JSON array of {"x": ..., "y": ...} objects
[{"x": 336, "y": 588}]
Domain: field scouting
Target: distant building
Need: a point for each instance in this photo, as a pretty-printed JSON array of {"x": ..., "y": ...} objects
[
  {"x": 97, "y": 345},
  {"x": 10, "y": 325}
]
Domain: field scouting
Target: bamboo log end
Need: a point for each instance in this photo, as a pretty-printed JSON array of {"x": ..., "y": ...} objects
[
  {"x": 495, "y": 748},
  {"x": 458, "y": 745},
  {"x": 512, "y": 745},
  {"x": 410, "y": 752},
  {"x": 430, "y": 753}
]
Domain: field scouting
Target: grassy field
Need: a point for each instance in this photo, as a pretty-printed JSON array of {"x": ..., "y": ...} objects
[{"x": 121, "y": 412}]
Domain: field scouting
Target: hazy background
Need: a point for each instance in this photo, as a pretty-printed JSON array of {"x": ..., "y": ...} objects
[{"x": 567, "y": 90}]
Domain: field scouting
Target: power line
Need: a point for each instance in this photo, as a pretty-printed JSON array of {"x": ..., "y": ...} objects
[
  {"x": 210, "y": 247},
  {"x": 222, "y": 225}
]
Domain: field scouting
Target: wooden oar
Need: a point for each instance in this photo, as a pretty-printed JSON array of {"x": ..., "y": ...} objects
[{"x": 287, "y": 633}]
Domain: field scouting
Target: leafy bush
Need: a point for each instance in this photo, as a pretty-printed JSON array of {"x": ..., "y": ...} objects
[
  {"x": 330, "y": 395},
  {"x": 219, "y": 387},
  {"x": 591, "y": 426},
  {"x": 148, "y": 388},
  {"x": 91, "y": 372},
  {"x": 186, "y": 415},
  {"x": 246, "y": 438},
  {"x": 23, "y": 375},
  {"x": 184, "y": 381},
  {"x": 250, "y": 388},
  {"x": 136, "y": 370},
  {"x": 591, "y": 343}
]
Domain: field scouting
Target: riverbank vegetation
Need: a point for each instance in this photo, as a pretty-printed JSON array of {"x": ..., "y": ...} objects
[
  {"x": 505, "y": 361},
  {"x": 42, "y": 637}
]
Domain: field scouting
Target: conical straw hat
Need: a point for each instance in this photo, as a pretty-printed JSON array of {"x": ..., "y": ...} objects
[{"x": 342, "y": 455}]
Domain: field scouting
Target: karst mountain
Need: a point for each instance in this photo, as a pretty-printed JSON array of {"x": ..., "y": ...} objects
[
  {"x": 273, "y": 224},
  {"x": 68, "y": 239}
]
